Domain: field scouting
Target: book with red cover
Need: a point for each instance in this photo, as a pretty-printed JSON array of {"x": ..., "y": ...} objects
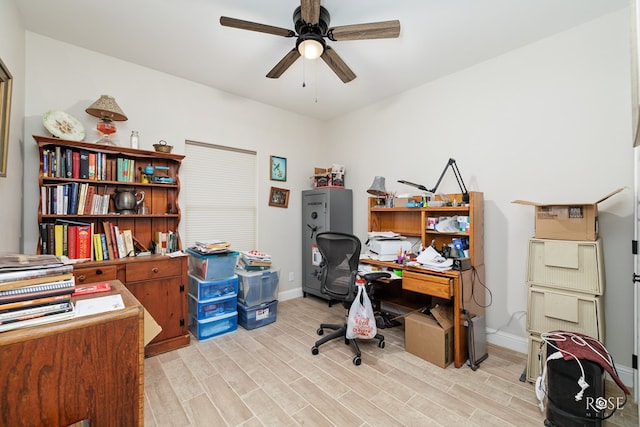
[
  {"x": 106, "y": 225},
  {"x": 72, "y": 241},
  {"x": 75, "y": 165},
  {"x": 92, "y": 166},
  {"x": 84, "y": 241},
  {"x": 88, "y": 201}
]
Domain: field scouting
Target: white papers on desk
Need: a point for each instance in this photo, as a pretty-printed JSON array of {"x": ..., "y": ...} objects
[
  {"x": 87, "y": 306},
  {"x": 432, "y": 260}
]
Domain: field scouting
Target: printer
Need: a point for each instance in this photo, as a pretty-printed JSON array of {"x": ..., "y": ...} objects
[{"x": 387, "y": 249}]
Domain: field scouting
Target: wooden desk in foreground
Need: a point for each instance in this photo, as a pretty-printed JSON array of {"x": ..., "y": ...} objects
[
  {"x": 83, "y": 368},
  {"x": 463, "y": 288}
]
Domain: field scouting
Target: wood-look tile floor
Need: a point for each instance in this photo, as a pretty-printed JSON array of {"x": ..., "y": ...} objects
[{"x": 268, "y": 377}]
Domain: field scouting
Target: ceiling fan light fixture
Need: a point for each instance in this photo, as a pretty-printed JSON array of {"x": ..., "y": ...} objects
[{"x": 311, "y": 47}]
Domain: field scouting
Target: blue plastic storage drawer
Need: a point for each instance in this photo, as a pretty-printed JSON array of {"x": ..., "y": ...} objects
[
  {"x": 258, "y": 315},
  {"x": 256, "y": 287},
  {"x": 207, "y": 309},
  {"x": 214, "y": 327},
  {"x": 207, "y": 289},
  {"x": 212, "y": 267}
]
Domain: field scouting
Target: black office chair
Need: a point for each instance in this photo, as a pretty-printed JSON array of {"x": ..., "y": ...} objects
[{"x": 339, "y": 268}]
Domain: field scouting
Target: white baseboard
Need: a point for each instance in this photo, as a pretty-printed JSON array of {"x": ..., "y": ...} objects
[
  {"x": 521, "y": 345},
  {"x": 293, "y": 293}
]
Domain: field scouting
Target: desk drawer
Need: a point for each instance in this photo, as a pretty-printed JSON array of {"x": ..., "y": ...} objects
[
  {"x": 427, "y": 284},
  {"x": 155, "y": 269},
  {"x": 95, "y": 274}
]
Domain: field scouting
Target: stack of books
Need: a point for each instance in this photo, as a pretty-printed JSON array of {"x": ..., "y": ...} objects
[
  {"x": 254, "y": 260},
  {"x": 34, "y": 289}
]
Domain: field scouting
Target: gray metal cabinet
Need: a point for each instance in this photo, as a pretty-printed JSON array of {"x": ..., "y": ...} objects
[{"x": 323, "y": 209}]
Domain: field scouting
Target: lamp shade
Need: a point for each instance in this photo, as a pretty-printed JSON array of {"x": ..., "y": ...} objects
[
  {"x": 310, "y": 45},
  {"x": 377, "y": 187},
  {"x": 106, "y": 107}
]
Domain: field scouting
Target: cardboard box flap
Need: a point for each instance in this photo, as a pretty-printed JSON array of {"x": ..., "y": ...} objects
[
  {"x": 443, "y": 315},
  {"x": 528, "y": 203},
  {"x": 151, "y": 327}
]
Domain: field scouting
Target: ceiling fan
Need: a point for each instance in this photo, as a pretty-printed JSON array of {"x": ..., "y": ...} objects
[{"x": 311, "y": 23}]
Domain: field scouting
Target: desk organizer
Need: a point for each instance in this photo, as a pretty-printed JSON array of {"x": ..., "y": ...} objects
[
  {"x": 212, "y": 267},
  {"x": 258, "y": 315},
  {"x": 257, "y": 287},
  {"x": 207, "y": 289},
  {"x": 214, "y": 327}
]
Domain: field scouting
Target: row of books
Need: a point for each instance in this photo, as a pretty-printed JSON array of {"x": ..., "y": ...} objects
[
  {"x": 166, "y": 242},
  {"x": 74, "y": 198},
  {"x": 62, "y": 162},
  {"x": 33, "y": 293},
  {"x": 77, "y": 240}
]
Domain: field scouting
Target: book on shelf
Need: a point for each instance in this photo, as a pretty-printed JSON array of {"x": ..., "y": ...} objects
[
  {"x": 127, "y": 236},
  {"x": 106, "y": 226},
  {"x": 105, "y": 247},
  {"x": 97, "y": 248}
]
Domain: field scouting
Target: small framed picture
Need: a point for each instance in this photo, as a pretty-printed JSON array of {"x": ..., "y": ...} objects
[
  {"x": 278, "y": 168},
  {"x": 279, "y": 197}
]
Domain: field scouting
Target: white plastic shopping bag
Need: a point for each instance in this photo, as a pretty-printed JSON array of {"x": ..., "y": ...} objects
[{"x": 361, "y": 323}]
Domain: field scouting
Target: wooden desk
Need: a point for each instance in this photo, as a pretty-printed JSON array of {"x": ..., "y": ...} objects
[
  {"x": 83, "y": 368},
  {"x": 461, "y": 287}
]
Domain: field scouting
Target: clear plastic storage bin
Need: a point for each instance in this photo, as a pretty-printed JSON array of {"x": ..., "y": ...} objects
[
  {"x": 207, "y": 289},
  {"x": 215, "y": 307},
  {"x": 214, "y": 327},
  {"x": 257, "y": 287},
  {"x": 258, "y": 315},
  {"x": 212, "y": 267}
]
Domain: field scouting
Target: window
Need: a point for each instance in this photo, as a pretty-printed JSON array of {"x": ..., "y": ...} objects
[{"x": 221, "y": 195}]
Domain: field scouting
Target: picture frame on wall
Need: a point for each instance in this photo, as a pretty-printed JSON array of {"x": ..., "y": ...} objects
[
  {"x": 279, "y": 197},
  {"x": 6, "y": 84},
  {"x": 278, "y": 168}
]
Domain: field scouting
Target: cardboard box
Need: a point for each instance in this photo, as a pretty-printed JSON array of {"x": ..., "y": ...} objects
[
  {"x": 426, "y": 338},
  {"x": 329, "y": 177},
  {"x": 567, "y": 221}
]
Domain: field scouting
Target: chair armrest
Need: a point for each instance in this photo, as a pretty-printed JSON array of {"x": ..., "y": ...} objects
[{"x": 376, "y": 275}]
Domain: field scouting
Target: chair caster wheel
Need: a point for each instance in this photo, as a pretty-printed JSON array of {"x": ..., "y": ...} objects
[
  {"x": 356, "y": 360},
  {"x": 314, "y": 350},
  {"x": 320, "y": 331},
  {"x": 381, "y": 344}
]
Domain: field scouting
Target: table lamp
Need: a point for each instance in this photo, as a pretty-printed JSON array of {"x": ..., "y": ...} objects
[
  {"x": 108, "y": 111},
  {"x": 378, "y": 189}
]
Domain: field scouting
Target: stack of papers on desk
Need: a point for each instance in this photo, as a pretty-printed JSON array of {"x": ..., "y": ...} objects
[
  {"x": 432, "y": 260},
  {"x": 384, "y": 235}
]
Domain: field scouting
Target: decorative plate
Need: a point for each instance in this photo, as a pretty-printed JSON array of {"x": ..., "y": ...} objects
[{"x": 63, "y": 125}]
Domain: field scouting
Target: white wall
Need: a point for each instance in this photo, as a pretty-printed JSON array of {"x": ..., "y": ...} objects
[
  {"x": 549, "y": 122},
  {"x": 64, "y": 77},
  {"x": 12, "y": 54}
]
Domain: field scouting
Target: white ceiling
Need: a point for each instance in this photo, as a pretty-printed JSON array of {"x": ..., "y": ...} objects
[{"x": 184, "y": 38}]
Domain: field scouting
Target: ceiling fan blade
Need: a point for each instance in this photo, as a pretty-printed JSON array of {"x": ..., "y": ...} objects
[
  {"x": 371, "y": 30},
  {"x": 284, "y": 64},
  {"x": 338, "y": 66},
  {"x": 310, "y": 11},
  {"x": 254, "y": 26}
]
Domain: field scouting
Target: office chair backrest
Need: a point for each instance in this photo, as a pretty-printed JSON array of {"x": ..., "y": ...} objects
[{"x": 340, "y": 259}]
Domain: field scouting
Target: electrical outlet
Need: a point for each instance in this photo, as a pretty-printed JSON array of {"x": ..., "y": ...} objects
[{"x": 291, "y": 276}]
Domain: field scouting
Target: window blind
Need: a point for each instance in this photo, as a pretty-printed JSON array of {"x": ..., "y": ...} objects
[{"x": 221, "y": 195}]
